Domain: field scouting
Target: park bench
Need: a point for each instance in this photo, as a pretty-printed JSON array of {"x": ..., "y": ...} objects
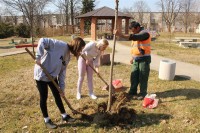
[
  {"x": 186, "y": 39},
  {"x": 189, "y": 44}
]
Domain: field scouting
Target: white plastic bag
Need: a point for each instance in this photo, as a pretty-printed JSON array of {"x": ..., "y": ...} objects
[{"x": 150, "y": 101}]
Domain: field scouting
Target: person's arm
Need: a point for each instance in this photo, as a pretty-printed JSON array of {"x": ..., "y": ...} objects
[
  {"x": 40, "y": 50},
  {"x": 125, "y": 36},
  {"x": 88, "y": 47},
  {"x": 61, "y": 78},
  {"x": 116, "y": 32},
  {"x": 43, "y": 43},
  {"x": 62, "y": 74},
  {"x": 97, "y": 62},
  {"x": 139, "y": 36}
]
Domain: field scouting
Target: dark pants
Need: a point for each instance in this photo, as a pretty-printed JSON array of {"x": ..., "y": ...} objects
[
  {"x": 139, "y": 76},
  {"x": 43, "y": 90}
]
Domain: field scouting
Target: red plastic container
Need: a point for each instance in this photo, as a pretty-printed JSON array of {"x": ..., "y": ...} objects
[{"x": 147, "y": 101}]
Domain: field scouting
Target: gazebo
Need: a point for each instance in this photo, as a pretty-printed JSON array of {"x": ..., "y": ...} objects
[{"x": 105, "y": 13}]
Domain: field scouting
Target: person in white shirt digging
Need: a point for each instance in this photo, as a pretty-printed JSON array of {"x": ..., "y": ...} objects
[{"x": 91, "y": 53}]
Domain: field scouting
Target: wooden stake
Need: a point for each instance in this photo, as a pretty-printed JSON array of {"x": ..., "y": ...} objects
[{"x": 112, "y": 60}]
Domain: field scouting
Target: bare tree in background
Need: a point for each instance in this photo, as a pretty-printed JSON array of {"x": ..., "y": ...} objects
[
  {"x": 187, "y": 13},
  {"x": 129, "y": 11},
  {"x": 69, "y": 7},
  {"x": 197, "y": 15},
  {"x": 73, "y": 9},
  {"x": 197, "y": 19},
  {"x": 6, "y": 11},
  {"x": 170, "y": 11},
  {"x": 63, "y": 6},
  {"x": 2, "y": 10},
  {"x": 141, "y": 8},
  {"x": 29, "y": 9}
]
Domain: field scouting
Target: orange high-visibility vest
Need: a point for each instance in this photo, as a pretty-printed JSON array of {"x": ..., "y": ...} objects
[{"x": 145, "y": 45}]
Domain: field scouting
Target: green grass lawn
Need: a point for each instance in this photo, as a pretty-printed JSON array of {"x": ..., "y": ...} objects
[{"x": 178, "y": 109}]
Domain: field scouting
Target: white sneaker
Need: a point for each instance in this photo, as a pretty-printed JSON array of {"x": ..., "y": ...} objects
[
  {"x": 93, "y": 96},
  {"x": 78, "y": 96}
]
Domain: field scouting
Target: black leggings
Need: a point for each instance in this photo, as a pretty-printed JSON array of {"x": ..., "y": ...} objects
[{"x": 43, "y": 90}]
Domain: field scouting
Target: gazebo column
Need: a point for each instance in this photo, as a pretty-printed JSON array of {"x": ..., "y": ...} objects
[
  {"x": 119, "y": 25},
  {"x": 126, "y": 25},
  {"x": 113, "y": 24},
  {"x": 82, "y": 27},
  {"x": 93, "y": 28}
]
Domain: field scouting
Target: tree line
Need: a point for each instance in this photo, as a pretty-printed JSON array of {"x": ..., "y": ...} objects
[
  {"x": 34, "y": 11},
  {"x": 172, "y": 11}
]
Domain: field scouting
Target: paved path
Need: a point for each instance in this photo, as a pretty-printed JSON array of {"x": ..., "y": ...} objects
[
  {"x": 122, "y": 55},
  {"x": 12, "y": 53}
]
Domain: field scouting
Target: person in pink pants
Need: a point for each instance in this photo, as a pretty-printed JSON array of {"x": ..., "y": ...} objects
[{"x": 91, "y": 53}]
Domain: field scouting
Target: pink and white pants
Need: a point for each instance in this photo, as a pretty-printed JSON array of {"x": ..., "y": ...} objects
[{"x": 82, "y": 69}]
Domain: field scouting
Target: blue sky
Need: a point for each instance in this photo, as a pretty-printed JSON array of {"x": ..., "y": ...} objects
[{"x": 126, "y": 3}]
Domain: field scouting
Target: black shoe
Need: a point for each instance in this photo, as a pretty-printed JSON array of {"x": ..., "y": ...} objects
[
  {"x": 135, "y": 97},
  {"x": 132, "y": 96},
  {"x": 68, "y": 118},
  {"x": 50, "y": 125},
  {"x": 140, "y": 98}
]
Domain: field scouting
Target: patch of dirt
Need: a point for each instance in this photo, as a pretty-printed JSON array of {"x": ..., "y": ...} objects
[{"x": 118, "y": 115}]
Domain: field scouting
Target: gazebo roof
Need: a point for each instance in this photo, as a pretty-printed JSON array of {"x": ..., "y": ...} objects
[{"x": 103, "y": 12}]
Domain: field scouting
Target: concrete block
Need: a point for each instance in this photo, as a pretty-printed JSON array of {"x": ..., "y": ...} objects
[{"x": 105, "y": 59}]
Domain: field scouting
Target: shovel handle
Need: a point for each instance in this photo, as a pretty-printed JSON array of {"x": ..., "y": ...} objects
[
  {"x": 96, "y": 72},
  {"x": 52, "y": 80}
]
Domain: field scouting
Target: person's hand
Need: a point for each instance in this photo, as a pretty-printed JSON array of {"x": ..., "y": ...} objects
[
  {"x": 115, "y": 32},
  {"x": 38, "y": 62},
  {"x": 62, "y": 94},
  {"x": 131, "y": 60},
  {"x": 97, "y": 70},
  {"x": 87, "y": 62}
]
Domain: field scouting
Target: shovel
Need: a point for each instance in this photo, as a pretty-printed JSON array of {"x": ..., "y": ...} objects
[
  {"x": 55, "y": 84},
  {"x": 105, "y": 87}
]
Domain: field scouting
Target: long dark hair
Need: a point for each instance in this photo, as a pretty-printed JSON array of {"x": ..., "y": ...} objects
[{"x": 76, "y": 45}]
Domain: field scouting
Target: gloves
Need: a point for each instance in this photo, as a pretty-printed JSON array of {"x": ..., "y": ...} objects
[{"x": 142, "y": 51}]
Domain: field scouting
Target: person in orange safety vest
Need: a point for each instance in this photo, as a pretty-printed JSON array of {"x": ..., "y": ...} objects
[{"x": 140, "y": 59}]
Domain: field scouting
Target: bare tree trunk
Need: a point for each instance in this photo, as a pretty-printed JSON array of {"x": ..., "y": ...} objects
[
  {"x": 170, "y": 11},
  {"x": 31, "y": 21},
  {"x": 186, "y": 27},
  {"x": 29, "y": 8},
  {"x": 72, "y": 15},
  {"x": 112, "y": 60},
  {"x": 140, "y": 6},
  {"x": 169, "y": 27},
  {"x": 66, "y": 14}
]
